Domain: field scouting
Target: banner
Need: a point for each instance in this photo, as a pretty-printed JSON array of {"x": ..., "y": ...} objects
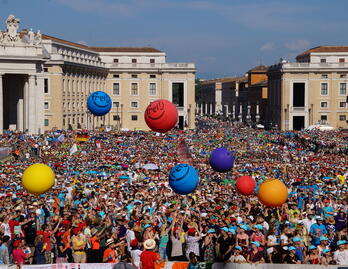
[{"x": 183, "y": 153}]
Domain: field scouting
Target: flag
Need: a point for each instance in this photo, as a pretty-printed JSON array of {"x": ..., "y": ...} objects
[
  {"x": 73, "y": 149},
  {"x": 61, "y": 138},
  {"x": 98, "y": 144},
  {"x": 82, "y": 138}
]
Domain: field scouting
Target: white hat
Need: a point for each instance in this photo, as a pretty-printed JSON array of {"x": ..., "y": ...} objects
[
  {"x": 109, "y": 242},
  {"x": 149, "y": 244}
]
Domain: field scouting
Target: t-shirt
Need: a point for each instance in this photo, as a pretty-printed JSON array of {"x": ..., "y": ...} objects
[
  {"x": 95, "y": 242},
  {"x": 341, "y": 257},
  {"x": 148, "y": 259},
  {"x": 135, "y": 254},
  {"x": 110, "y": 256},
  {"x": 19, "y": 256},
  {"x": 328, "y": 209},
  {"x": 46, "y": 239},
  {"x": 237, "y": 259},
  {"x": 7, "y": 230},
  {"x": 291, "y": 259},
  {"x": 4, "y": 248}
]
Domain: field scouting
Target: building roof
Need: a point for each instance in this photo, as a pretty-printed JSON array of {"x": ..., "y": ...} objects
[
  {"x": 65, "y": 42},
  {"x": 323, "y": 49},
  {"x": 124, "y": 49},
  {"x": 101, "y": 49},
  {"x": 259, "y": 84},
  {"x": 223, "y": 80},
  {"x": 259, "y": 68}
]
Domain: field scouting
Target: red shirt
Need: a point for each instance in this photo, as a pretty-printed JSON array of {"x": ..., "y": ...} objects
[
  {"x": 148, "y": 259},
  {"x": 12, "y": 224},
  {"x": 19, "y": 256}
]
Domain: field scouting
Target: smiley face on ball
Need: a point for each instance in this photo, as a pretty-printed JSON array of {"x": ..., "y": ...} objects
[
  {"x": 155, "y": 110},
  {"x": 101, "y": 99},
  {"x": 179, "y": 172}
]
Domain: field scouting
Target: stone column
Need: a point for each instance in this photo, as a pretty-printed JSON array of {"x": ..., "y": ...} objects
[
  {"x": 206, "y": 108},
  {"x": 20, "y": 115},
  {"x": 211, "y": 109},
  {"x": 1, "y": 107},
  {"x": 26, "y": 106},
  {"x": 31, "y": 106},
  {"x": 201, "y": 112}
]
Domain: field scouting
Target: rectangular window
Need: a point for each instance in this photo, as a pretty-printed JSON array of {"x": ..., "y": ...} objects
[
  {"x": 46, "y": 105},
  {"x": 152, "y": 61},
  {"x": 152, "y": 89},
  {"x": 152, "y": 76},
  {"x": 116, "y": 89},
  {"x": 116, "y": 117},
  {"x": 134, "y": 76},
  {"x": 45, "y": 69},
  {"x": 116, "y": 75},
  {"x": 134, "y": 89},
  {"x": 343, "y": 117},
  {"x": 115, "y": 60},
  {"x": 323, "y": 104},
  {"x": 342, "y": 60},
  {"x": 178, "y": 94},
  {"x": 134, "y": 104},
  {"x": 323, "y": 60},
  {"x": 115, "y": 104},
  {"x": 46, "y": 85},
  {"x": 299, "y": 94},
  {"x": 324, "y": 76},
  {"x": 323, "y": 89},
  {"x": 343, "y": 75},
  {"x": 134, "y": 61},
  {"x": 342, "y": 104},
  {"x": 343, "y": 88},
  {"x": 46, "y": 122},
  {"x": 134, "y": 117},
  {"x": 323, "y": 118}
]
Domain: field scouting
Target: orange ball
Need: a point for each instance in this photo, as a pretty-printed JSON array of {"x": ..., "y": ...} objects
[{"x": 273, "y": 193}]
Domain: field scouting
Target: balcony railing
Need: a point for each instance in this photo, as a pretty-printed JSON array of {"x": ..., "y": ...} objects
[
  {"x": 309, "y": 66},
  {"x": 153, "y": 65}
]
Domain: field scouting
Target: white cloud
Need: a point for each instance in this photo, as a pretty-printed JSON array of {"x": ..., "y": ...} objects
[
  {"x": 297, "y": 44},
  {"x": 267, "y": 46}
]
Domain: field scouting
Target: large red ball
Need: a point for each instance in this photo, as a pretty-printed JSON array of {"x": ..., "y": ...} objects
[
  {"x": 161, "y": 116},
  {"x": 245, "y": 185}
]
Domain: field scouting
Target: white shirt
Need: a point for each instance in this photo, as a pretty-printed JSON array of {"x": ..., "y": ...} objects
[
  {"x": 341, "y": 257},
  {"x": 7, "y": 230},
  {"x": 308, "y": 223},
  {"x": 237, "y": 259},
  {"x": 135, "y": 254},
  {"x": 130, "y": 235}
]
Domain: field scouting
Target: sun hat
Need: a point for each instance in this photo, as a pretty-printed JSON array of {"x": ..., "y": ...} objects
[
  {"x": 326, "y": 251},
  {"x": 311, "y": 247},
  {"x": 291, "y": 248},
  {"x": 149, "y": 244},
  {"x": 238, "y": 247},
  {"x": 323, "y": 238},
  {"x": 257, "y": 244},
  {"x": 109, "y": 242},
  {"x": 147, "y": 226},
  {"x": 296, "y": 239},
  {"x": 225, "y": 229},
  {"x": 341, "y": 242},
  {"x": 211, "y": 231},
  {"x": 259, "y": 226}
]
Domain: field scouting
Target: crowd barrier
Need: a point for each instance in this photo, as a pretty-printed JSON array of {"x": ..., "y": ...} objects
[{"x": 181, "y": 265}]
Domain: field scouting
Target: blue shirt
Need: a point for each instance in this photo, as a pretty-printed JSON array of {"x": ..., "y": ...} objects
[
  {"x": 327, "y": 209},
  {"x": 2, "y": 248},
  {"x": 299, "y": 253},
  {"x": 317, "y": 231}
]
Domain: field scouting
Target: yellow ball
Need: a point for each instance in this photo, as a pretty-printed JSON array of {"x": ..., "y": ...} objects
[
  {"x": 273, "y": 193},
  {"x": 38, "y": 178}
]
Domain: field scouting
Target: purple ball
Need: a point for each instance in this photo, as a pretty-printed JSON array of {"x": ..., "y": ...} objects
[{"x": 221, "y": 160}]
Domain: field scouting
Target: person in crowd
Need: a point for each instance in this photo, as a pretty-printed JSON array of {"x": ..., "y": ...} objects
[
  {"x": 291, "y": 257},
  {"x": 4, "y": 254},
  {"x": 341, "y": 254},
  {"x": 40, "y": 248},
  {"x": 149, "y": 258},
  {"x": 110, "y": 253},
  {"x": 255, "y": 255},
  {"x": 237, "y": 257},
  {"x": 312, "y": 255},
  {"x": 193, "y": 261}
]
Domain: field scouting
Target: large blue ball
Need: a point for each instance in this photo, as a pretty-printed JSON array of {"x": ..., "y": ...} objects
[
  {"x": 99, "y": 103},
  {"x": 183, "y": 179},
  {"x": 221, "y": 160}
]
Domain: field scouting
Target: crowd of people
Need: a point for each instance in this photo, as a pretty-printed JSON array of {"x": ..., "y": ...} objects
[{"x": 112, "y": 203}]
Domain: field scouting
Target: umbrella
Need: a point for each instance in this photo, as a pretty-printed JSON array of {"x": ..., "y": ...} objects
[{"x": 150, "y": 166}]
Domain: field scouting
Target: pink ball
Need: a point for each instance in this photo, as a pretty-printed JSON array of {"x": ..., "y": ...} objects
[{"x": 245, "y": 185}]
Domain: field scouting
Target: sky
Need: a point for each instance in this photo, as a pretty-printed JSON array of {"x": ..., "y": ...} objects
[{"x": 222, "y": 37}]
